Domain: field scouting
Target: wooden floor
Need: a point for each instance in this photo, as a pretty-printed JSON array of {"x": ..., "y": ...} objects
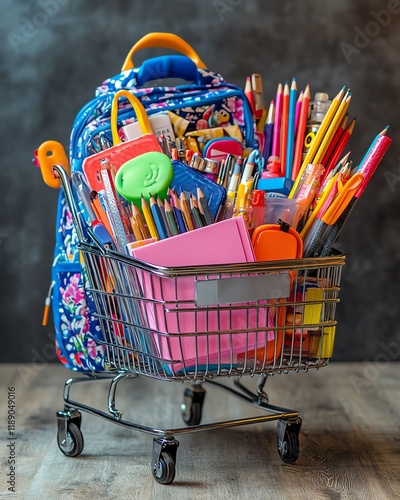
[{"x": 349, "y": 443}]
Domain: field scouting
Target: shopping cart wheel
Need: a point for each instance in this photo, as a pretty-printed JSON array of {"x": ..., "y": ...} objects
[
  {"x": 288, "y": 439},
  {"x": 192, "y": 405},
  {"x": 69, "y": 435},
  {"x": 163, "y": 460}
]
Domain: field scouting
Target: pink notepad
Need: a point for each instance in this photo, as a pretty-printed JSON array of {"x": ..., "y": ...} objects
[
  {"x": 225, "y": 242},
  {"x": 172, "y": 308}
]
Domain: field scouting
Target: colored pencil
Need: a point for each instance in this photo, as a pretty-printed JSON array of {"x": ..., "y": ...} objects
[
  {"x": 334, "y": 125},
  {"x": 276, "y": 139},
  {"x": 298, "y": 111},
  {"x": 149, "y": 219},
  {"x": 203, "y": 207},
  {"x": 163, "y": 216},
  {"x": 335, "y": 141},
  {"x": 284, "y": 128},
  {"x": 291, "y": 129},
  {"x": 318, "y": 139},
  {"x": 268, "y": 131},
  {"x": 333, "y": 160},
  {"x": 169, "y": 214},
  {"x": 194, "y": 208},
  {"x": 248, "y": 90},
  {"x": 155, "y": 211},
  {"x": 186, "y": 212},
  {"x": 135, "y": 229},
  {"x": 298, "y": 152},
  {"x": 178, "y": 212},
  {"x": 140, "y": 221}
]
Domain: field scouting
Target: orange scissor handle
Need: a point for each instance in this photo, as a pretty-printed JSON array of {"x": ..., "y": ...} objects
[
  {"x": 52, "y": 153},
  {"x": 163, "y": 40}
]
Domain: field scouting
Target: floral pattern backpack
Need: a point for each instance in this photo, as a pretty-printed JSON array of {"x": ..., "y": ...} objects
[{"x": 203, "y": 100}]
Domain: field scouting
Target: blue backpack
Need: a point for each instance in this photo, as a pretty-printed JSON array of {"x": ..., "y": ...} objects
[{"x": 204, "y": 100}]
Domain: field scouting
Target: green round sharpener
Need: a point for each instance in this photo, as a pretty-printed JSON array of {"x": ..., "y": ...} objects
[{"x": 148, "y": 173}]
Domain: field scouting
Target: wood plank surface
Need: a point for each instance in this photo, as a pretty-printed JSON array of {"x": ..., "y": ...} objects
[{"x": 349, "y": 443}]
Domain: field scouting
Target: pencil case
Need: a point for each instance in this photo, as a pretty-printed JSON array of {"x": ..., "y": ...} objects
[{"x": 188, "y": 180}]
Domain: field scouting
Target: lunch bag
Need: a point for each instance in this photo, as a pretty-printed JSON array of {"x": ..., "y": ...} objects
[{"x": 203, "y": 100}]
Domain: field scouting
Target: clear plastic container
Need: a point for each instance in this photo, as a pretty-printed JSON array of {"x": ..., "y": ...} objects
[{"x": 277, "y": 208}]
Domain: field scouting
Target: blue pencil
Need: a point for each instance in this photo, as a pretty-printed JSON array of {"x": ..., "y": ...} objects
[
  {"x": 268, "y": 131},
  {"x": 178, "y": 213},
  {"x": 291, "y": 129},
  {"x": 155, "y": 211}
]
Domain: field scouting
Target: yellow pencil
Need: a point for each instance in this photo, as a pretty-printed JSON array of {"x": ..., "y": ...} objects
[
  {"x": 342, "y": 110},
  {"x": 149, "y": 219},
  {"x": 136, "y": 213},
  {"x": 135, "y": 228},
  {"x": 318, "y": 139}
]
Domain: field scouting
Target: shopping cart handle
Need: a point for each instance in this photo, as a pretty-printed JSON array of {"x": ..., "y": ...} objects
[{"x": 52, "y": 153}]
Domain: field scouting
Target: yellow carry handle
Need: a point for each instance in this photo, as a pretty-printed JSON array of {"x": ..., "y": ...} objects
[
  {"x": 163, "y": 40},
  {"x": 141, "y": 115}
]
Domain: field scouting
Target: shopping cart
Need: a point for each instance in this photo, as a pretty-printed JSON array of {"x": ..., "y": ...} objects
[{"x": 199, "y": 324}]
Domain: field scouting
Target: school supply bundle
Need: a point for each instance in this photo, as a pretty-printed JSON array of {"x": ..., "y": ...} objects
[{"x": 190, "y": 228}]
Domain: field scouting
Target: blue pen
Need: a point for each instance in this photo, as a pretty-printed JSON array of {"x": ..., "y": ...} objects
[{"x": 291, "y": 129}]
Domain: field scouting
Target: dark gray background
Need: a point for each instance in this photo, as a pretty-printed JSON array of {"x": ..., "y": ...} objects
[{"x": 49, "y": 73}]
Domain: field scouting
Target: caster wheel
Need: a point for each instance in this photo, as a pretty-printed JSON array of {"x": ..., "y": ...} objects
[
  {"x": 164, "y": 471},
  {"x": 288, "y": 440},
  {"x": 192, "y": 406},
  {"x": 69, "y": 435},
  {"x": 164, "y": 459}
]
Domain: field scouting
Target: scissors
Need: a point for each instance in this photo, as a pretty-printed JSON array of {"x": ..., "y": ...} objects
[{"x": 346, "y": 191}]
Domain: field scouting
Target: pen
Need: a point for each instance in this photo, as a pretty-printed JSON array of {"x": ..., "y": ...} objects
[{"x": 235, "y": 177}]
